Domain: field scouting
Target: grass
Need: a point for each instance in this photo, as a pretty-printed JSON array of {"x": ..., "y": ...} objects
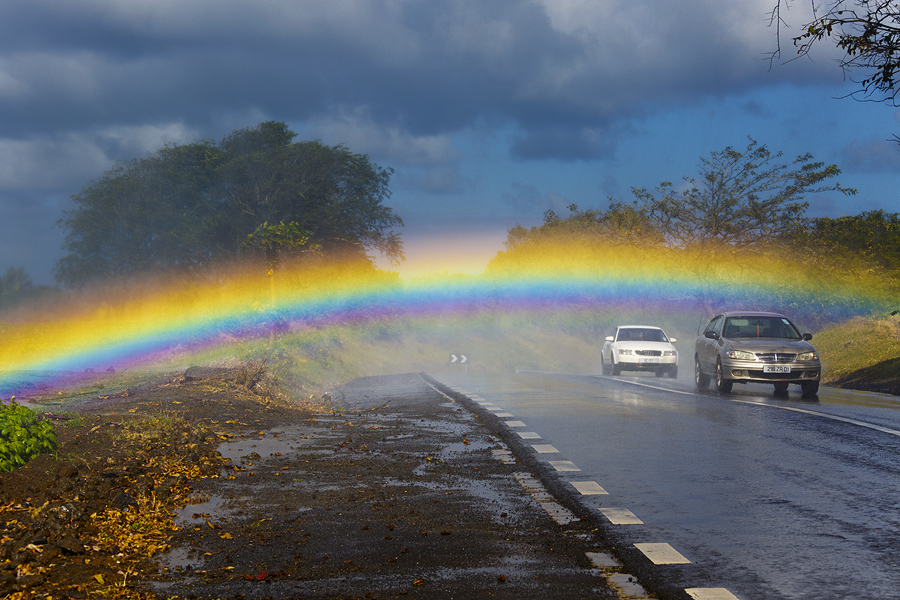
[{"x": 861, "y": 352}]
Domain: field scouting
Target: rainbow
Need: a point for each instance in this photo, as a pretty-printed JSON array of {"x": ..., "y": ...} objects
[{"x": 141, "y": 323}]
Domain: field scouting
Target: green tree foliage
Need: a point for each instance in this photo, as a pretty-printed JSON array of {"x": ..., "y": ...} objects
[
  {"x": 619, "y": 224},
  {"x": 188, "y": 207},
  {"x": 867, "y": 31},
  {"x": 723, "y": 233},
  {"x": 867, "y": 242},
  {"x": 15, "y": 285},
  {"x": 741, "y": 200},
  {"x": 275, "y": 239}
]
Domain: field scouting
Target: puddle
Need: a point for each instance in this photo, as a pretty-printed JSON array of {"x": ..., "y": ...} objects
[
  {"x": 266, "y": 444},
  {"x": 215, "y": 508}
]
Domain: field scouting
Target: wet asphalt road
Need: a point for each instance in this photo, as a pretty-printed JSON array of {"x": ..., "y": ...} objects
[{"x": 766, "y": 497}]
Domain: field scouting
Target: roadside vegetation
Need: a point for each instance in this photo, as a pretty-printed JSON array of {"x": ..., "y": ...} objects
[
  {"x": 862, "y": 353},
  {"x": 300, "y": 219}
]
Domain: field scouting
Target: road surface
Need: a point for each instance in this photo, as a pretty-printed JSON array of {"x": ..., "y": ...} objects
[{"x": 747, "y": 495}]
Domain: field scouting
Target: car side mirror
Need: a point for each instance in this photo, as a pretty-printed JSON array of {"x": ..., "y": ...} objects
[
  {"x": 711, "y": 335},
  {"x": 609, "y": 338},
  {"x": 807, "y": 336},
  {"x": 672, "y": 340}
]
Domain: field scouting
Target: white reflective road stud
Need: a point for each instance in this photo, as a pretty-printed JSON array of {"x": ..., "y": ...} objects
[
  {"x": 544, "y": 449},
  {"x": 564, "y": 465},
  {"x": 662, "y": 554},
  {"x": 621, "y": 516},
  {"x": 528, "y": 435},
  {"x": 503, "y": 415},
  {"x": 710, "y": 594},
  {"x": 515, "y": 424},
  {"x": 588, "y": 488}
]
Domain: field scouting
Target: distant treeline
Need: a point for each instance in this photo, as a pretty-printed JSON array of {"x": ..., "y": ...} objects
[
  {"x": 192, "y": 207},
  {"x": 736, "y": 236}
]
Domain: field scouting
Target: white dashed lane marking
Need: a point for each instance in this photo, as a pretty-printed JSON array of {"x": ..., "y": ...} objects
[
  {"x": 621, "y": 516},
  {"x": 658, "y": 553},
  {"x": 564, "y": 465},
  {"x": 662, "y": 554},
  {"x": 588, "y": 488},
  {"x": 503, "y": 415},
  {"x": 544, "y": 449},
  {"x": 710, "y": 594}
]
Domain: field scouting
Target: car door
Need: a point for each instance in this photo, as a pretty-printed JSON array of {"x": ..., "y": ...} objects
[{"x": 706, "y": 346}]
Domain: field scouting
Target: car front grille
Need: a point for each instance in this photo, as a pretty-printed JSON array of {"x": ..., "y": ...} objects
[
  {"x": 648, "y": 352},
  {"x": 776, "y": 357}
]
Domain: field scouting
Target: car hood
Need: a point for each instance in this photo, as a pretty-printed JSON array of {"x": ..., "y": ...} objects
[
  {"x": 758, "y": 345},
  {"x": 650, "y": 345}
]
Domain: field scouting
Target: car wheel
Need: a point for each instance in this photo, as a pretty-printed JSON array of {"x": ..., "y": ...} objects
[
  {"x": 616, "y": 368},
  {"x": 673, "y": 371},
  {"x": 781, "y": 387},
  {"x": 810, "y": 388},
  {"x": 605, "y": 367},
  {"x": 722, "y": 384},
  {"x": 661, "y": 372},
  {"x": 700, "y": 379}
]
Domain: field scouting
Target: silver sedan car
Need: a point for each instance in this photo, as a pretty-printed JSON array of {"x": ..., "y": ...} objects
[{"x": 762, "y": 347}]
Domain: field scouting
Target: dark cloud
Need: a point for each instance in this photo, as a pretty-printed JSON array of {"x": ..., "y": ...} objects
[
  {"x": 562, "y": 144},
  {"x": 85, "y": 83},
  {"x": 433, "y": 66}
]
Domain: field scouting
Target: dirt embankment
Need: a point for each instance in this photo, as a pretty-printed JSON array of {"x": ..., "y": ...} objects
[{"x": 401, "y": 494}]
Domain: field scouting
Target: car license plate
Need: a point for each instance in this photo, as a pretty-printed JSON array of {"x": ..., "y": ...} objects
[
  {"x": 649, "y": 360},
  {"x": 776, "y": 369}
]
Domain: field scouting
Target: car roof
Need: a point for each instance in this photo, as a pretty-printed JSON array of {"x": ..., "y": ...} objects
[
  {"x": 638, "y": 327},
  {"x": 751, "y": 313}
]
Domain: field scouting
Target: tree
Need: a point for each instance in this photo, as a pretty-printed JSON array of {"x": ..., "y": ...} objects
[
  {"x": 868, "y": 32},
  {"x": 188, "y": 207},
  {"x": 619, "y": 224},
  {"x": 13, "y": 284},
  {"x": 870, "y": 240},
  {"x": 740, "y": 199}
]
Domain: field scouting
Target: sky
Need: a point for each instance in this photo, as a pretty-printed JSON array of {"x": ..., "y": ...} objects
[{"x": 490, "y": 112}]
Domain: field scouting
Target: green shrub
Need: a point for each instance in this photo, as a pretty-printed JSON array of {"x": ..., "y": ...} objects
[{"x": 22, "y": 436}]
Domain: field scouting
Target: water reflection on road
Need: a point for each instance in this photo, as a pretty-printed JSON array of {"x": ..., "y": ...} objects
[{"x": 770, "y": 497}]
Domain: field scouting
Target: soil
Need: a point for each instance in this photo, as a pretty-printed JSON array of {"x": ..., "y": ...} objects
[{"x": 194, "y": 487}]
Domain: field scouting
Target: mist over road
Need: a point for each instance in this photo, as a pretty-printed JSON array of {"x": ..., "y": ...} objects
[{"x": 764, "y": 496}]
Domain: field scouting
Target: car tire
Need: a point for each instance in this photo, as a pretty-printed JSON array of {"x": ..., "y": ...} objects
[
  {"x": 673, "y": 371},
  {"x": 603, "y": 368},
  {"x": 662, "y": 371},
  {"x": 722, "y": 385},
  {"x": 809, "y": 388},
  {"x": 616, "y": 368},
  {"x": 700, "y": 379},
  {"x": 781, "y": 387}
]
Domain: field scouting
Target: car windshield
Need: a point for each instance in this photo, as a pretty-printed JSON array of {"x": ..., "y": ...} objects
[
  {"x": 641, "y": 334},
  {"x": 765, "y": 327}
]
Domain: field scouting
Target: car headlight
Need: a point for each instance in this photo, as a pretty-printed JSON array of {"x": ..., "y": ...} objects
[
  {"x": 669, "y": 353},
  {"x": 808, "y": 356},
  {"x": 624, "y": 351},
  {"x": 741, "y": 355}
]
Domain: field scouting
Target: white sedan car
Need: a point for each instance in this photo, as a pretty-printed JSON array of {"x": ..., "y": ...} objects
[{"x": 639, "y": 348}]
